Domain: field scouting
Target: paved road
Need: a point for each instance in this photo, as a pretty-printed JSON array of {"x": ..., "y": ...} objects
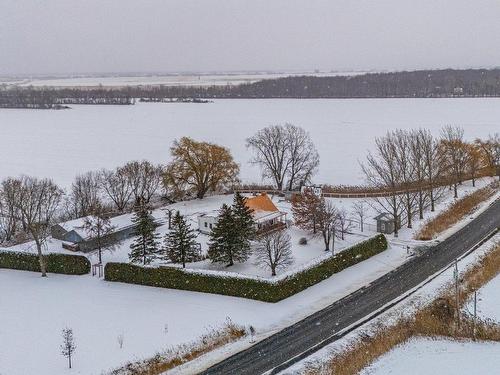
[{"x": 277, "y": 350}]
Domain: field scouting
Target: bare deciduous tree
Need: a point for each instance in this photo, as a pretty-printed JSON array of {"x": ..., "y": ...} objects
[
  {"x": 144, "y": 178},
  {"x": 433, "y": 165},
  {"x": 382, "y": 171},
  {"x": 117, "y": 187},
  {"x": 474, "y": 160},
  {"x": 416, "y": 141},
  {"x": 343, "y": 223},
  {"x": 285, "y": 154},
  {"x": 304, "y": 158},
  {"x": 37, "y": 202},
  {"x": 490, "y": 150},
  {"x": 326, "y": 220},
  {"x": 68, "y": 346},
  {"x": 407, "y": 171},
  {"x": 274, "y": 251},
  {"x": 452, "y": 141},
  {"x": 9, "y": 211},
  {"x": 85, "y": 194},
  {"x": 199, "y": 167},
  {"x": 98, "y": 227},
  {"x": 360, "y": 211}
]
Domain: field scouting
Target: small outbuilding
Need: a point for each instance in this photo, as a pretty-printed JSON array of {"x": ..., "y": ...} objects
[
  {"x": 76, "y": 238},
  {"x": 207, "y": 221},
  {"x": 385, "y": 223}
]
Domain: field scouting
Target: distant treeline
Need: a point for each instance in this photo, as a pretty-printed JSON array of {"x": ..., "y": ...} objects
[
  {"x": 416, "y": 84},
  {"x": 44, "y": 98}
]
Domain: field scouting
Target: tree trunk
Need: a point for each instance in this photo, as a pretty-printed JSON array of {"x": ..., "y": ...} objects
[
  {"x": 432, "y": 201},
  {"x": 455, "y": 191},
  {"x": 395, "y": 216},
  {"x": 273, "y": 270},
  {"x": 409, "y": 212},
  {"x": 41, "y": 260},
  {"x": 420, "y": 205},
  {"x": 201, "y": 193},
  {"x": 326, "y": 239}
]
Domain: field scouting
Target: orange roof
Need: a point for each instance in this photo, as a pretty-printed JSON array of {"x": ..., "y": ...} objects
[{"x": 261, "y": 203}]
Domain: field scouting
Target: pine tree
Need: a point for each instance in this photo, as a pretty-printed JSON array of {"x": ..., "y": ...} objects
[
  {"x": 145, "y": 246},
  {"x": 179, "y": 243},
  {"x": 244, "y": 224},
  {"x": 222, "y": 247}
]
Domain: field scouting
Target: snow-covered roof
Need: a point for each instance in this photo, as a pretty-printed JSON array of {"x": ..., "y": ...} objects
[
  {"x": 384, "y": 216},
  {"x": 213, "y": 213},
  {"x": 263, "y": 216},
  {"x": 77, "y": 225}
]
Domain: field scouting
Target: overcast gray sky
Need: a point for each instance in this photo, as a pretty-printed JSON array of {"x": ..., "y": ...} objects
[{"x": 65, "y": 36}]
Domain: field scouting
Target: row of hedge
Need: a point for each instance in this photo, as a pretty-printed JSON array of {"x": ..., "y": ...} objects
[
  {"x": 175, "y": 278},
  {"x": 56, "y": 263}
]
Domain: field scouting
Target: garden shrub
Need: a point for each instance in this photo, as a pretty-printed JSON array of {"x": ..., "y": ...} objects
[{"x": 67, "y": 264}]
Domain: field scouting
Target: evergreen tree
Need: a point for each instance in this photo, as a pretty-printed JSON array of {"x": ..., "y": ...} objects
[
  {"x": 145, "y": 246},
  {"x": 223, "y": 246},
  {"x": 179, "y": 245},
  {"x": 244, "y": 224}
]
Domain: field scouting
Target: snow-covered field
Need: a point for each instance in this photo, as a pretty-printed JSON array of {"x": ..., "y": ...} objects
[
  {"x": 61, "y": 144},
  {"x": 174, "y": 79},
  {"x": 427, "y": 356}
]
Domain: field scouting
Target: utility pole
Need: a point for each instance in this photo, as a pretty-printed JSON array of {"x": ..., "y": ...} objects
[
  {"x": 457, "y": 296},
  {"x": 475, "y": 317}
]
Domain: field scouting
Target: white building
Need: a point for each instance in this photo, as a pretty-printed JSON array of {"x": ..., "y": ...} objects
[{"x": 265, "y": 214}]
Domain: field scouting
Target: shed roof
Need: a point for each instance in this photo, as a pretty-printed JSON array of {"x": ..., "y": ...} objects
[
  {"x": 77, "y": 225},
  {"x": 384, "y": 216}
]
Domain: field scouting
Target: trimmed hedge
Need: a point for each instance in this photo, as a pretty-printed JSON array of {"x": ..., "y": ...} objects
[
  {"x": 56, "y": 263},
  {"x": 175, "y": 278}
]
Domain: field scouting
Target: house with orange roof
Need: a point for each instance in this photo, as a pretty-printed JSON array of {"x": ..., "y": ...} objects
[{"x": 265, "y": 214}]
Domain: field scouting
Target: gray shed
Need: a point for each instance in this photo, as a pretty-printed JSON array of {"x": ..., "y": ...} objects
[
  {"x": 75, "y": 237},
  {"x": 385, "y": 223}
]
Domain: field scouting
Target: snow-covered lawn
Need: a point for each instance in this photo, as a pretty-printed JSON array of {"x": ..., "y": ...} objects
[
  {"x": 488, "y": 304},
  {"x": 445, "y": 357},
  {"x": 61, "y": 144},
  {"x": 33, "y": 311}
]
